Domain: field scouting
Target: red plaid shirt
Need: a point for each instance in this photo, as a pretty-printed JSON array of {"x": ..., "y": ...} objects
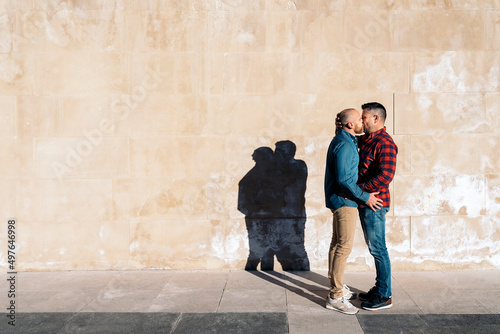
[{"x": 377, "y": 164}]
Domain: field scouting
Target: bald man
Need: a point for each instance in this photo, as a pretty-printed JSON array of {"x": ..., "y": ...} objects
[{"x": 342, "y": 197}]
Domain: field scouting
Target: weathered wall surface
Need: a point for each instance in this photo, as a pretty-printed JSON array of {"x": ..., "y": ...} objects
[{"x": 126, "y": 126}]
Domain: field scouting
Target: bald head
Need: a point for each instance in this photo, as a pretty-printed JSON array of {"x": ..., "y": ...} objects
[
  {"x": 348, "y": 115},
  {"x": 350, "y": 119}
]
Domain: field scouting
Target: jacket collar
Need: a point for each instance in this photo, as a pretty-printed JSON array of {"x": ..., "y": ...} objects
[{"x": 348, "y": 135}]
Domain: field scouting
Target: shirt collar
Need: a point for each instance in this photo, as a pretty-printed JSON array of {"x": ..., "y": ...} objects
[{"x": 376, "y": 133}]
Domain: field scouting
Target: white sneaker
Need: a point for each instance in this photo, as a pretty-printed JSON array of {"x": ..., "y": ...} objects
[
  {"x": 341, "y": 305},
  {"x": 348, "y": 294}
]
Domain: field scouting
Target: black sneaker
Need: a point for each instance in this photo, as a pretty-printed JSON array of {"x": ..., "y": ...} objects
[
  {"x": 369, "y": 294},
  {"x": 377, "y": 302}
]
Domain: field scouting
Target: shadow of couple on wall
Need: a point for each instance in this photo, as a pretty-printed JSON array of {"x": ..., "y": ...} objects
[{"x": 272, "y": 198}]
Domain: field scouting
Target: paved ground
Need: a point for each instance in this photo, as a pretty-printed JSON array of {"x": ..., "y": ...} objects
[{"x": 244, "y": 302}]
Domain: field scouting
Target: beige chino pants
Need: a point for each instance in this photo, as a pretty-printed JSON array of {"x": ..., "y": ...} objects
[{"x": 344, "y": 224}]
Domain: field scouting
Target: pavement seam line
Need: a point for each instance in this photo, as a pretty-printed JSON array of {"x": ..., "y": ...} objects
[
  {"x": 68, "y": 321},
  {"x": 418, "y": 306},
  {"x": 222, "y": 294},
  {"x": 90, "y": 301},
  {"x": 174, "y": 326}
]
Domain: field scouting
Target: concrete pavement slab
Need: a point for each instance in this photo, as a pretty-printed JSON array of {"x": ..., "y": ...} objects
[
  {"x": 198, "y": 279},
  {"x": 121, "y": 300},
  {"x": 187, "y": 300},
  {"x": 308, "y": 279},
  {"x": 137, "y": 280},
  {"x": 429, "y": 323},
  {"x": 390, "y": 323},
  {"x": 429, "y": 280},
  {"x": 402, "y": 303},
  {"x": 240, "y": 279},
  {"x": 36, "y": 323},
  {"x": 490, "y": 299},
  {"x": 54, "y": 301},
  {"x": 448, "y": 301},
  {"x": 257, "y": 300},
  {"x": 474, "y": 279},
  {"x": 65, "y": 280},
  {"x": 118, "y": 323},
  {"x": 323, "y": 322},
  {"x": 424, "y": 302},
  {"x": 230, "y": 323},
  {"x": 307, "y": 301}
]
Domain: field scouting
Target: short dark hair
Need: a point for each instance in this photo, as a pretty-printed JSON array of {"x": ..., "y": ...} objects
[{"x": 378, "y": 108}]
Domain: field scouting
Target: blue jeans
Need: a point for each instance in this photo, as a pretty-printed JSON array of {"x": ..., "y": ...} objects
[{"x": 373, "y": 224}]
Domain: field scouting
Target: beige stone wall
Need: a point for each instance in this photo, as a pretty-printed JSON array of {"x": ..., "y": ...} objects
[{"x": 126, "y": 125}]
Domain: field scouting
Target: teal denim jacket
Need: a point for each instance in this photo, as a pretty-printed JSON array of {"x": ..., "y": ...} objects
[{"x": 341, "y": 173}]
